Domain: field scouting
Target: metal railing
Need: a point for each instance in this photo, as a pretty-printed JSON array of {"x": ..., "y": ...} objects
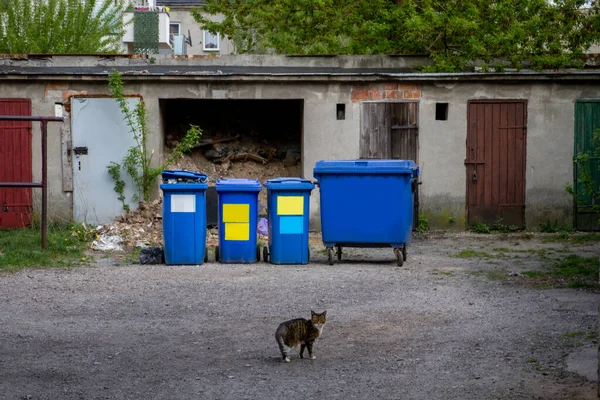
[{"x": 44, "y": 183}]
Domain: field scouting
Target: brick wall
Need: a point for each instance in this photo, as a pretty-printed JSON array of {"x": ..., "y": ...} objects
[{"x": 386, "y": 91}]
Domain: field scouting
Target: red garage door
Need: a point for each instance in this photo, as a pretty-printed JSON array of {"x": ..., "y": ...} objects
[{"x": 15, "y": 164}]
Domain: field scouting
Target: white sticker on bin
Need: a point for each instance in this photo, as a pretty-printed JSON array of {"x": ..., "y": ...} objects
[{"x": 183, "y": 203}]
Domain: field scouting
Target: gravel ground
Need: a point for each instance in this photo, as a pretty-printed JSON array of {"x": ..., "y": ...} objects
[{"x": 436, "y": 328}]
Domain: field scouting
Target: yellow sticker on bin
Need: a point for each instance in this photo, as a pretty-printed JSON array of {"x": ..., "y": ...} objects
[
  {"x": 237, "y": 231},
  {"x": 290, "y": 205},
  {"x": 236, "y": 213}
]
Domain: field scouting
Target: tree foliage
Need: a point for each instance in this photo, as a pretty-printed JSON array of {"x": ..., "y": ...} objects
[
  {"x": 61, "y": 26},
  {"x": 454, "y": 33}
]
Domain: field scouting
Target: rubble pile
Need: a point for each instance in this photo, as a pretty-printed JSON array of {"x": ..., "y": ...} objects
[
  {"x": 138, "y": 228},
  {"x": 230, "y": 156},
  {"x": 142, "y": 227},
  {"x": 220, "y": 156}
]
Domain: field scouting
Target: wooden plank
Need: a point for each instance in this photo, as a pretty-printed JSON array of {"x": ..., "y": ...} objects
[
  {"x": 15, "y": 163},
  {"x": 404, "y": 142},
  {"x": 487, "y": 177},
  {"x": 511, "y": 154},
  {"x": 503, "y": 171},
  {"x": 67, "y": 165},
  {"x": 520, "y": 157},
  {"x": 365, "y": 131},
  {"x": 375, "y": 132},
  {"x": 480, "y": 154}
]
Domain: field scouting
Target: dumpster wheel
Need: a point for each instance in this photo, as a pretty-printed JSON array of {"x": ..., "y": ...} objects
[
  {"x": 217, "y": 253},
  {"x": 265, "y": 254},
  {"x": 404, "y": 253},
  {"x": 205, "y": 256},
  {"x": 339, "y": 253},
  {"x": 399, "y": 257},
  {"x": 330, "y": 255}
]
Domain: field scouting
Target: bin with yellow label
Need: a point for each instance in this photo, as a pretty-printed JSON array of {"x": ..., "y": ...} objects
[
  {"x": 288, "y": 201},
  {"x": 238, "y": 215}
]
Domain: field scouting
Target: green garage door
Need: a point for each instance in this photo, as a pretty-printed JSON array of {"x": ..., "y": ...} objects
[{"x": 587, "y": 120}]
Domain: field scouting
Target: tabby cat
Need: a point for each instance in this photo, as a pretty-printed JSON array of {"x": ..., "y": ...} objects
[{"x": 299, "y": 331}]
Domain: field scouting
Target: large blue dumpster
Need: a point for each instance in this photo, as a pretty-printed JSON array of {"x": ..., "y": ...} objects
[
  {"x": 184, "y": 216},
  {"x": 366, "y": 203},
  {"x": 288, "y": 201},
  {"x": 238, "y": 215}
]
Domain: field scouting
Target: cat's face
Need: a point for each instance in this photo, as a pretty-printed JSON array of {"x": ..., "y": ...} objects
[{"x": 318, "y": 319}]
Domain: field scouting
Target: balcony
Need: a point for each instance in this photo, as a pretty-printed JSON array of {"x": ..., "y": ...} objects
[{"x": 141, "y": 28}]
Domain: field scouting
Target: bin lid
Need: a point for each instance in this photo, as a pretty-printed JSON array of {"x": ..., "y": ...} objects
[
  {"x": 289, "y": 184},
  {"x": 182, "y": 176},
  {"x": 366, "y": 167},
  {"x": 236, "y": 185}
]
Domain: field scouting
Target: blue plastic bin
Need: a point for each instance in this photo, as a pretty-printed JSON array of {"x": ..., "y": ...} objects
[
  {"x": 184, "y": 216},
  {"x": 366, "y": 203},
  {"x": 238, "y": 215},
  {"x": 288, "y": 204}
]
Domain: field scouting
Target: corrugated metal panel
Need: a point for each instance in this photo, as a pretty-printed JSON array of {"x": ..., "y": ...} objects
[
  {"x": 15, "y": 164},
  {"x": 587, "y": 120},
  {"x": 496, "y": 140}
]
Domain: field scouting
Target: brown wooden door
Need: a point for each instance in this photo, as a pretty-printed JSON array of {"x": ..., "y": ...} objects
[
  {"x": 390, "y": 131},
  {"x": 495, "y": 163},
  {"x": 15, "y": 164}
]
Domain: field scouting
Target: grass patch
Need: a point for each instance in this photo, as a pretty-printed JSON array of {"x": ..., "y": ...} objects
[
  {"x": 422, "y": 224},
  {"x": 470, "y": 253},
  {"x": 577, "y": 266},
  {"x": 66, "y": 245},
  {"x": 572, "y": 271},
  {"x": 575, "y": 339},
  {"x": 497, "y": 275},
  {"x": 438, "y": 272},
  {"x": 567, "y": 237},
  {"x": 588, "y": 237},
  {"x": 481, "y": 227}
]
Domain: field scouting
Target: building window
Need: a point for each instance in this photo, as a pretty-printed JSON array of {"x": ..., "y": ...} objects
[
  {"x": 174, "y": 30},
  {"x": 441, "y": 111},
  {"x": 211, "y": 42}
]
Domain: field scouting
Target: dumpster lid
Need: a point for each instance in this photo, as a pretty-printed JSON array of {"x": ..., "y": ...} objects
[
  {"x": 236, "y": 184},
  {"x": 289, "y": 184},
  {"x": 366, "y": 167},
  {"x": 182, "y": 176}
]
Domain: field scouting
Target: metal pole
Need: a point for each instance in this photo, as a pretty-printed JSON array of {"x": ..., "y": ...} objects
[
  {"x": 44, "y": 124},
  {"x": 44, "y": 184}
]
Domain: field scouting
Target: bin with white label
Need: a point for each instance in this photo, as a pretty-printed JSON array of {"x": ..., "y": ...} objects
[{"x": 184, "y": 216}]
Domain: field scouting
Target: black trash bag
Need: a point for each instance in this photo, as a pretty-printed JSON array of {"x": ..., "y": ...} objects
[{"x": 152, "y": 255}]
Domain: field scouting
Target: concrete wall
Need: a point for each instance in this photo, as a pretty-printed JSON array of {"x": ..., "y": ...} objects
[
  {"x": 325, "y": 137},
  {"x": 186, "y": 21},
  {"x": 550, "y": 124}
]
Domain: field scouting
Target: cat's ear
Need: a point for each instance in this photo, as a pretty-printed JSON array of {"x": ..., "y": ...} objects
[
  {"x": 312, "y": 312},
  {"x": 325, "y": 313}
]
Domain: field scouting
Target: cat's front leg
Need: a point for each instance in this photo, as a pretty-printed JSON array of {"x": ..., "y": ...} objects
[
  {"x": 302, "y": 346},
  {"x": 309, "y": 346}
]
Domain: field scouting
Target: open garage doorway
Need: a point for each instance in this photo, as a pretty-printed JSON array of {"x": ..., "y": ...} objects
[{"x": 255, "y": 139}]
